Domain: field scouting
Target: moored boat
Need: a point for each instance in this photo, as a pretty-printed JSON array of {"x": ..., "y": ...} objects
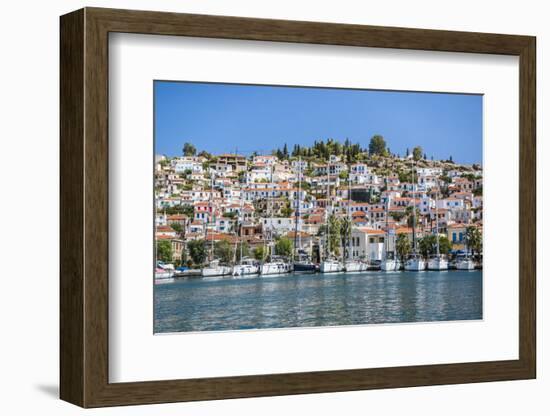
[
  {"x": 351, "y": 266},
  {"x": 438, "y": 262},
  {"x": 388, "y": 265},
  {"x": 277, "y": 265},
  {"x": 215, "y": 269},
  {"x": 248, "y": 266},
  {"x": 331, "y": 265},
  {"x": 415, "y": 262},
  {"x": 163, "y": 275},
  {"x": 465, "y": 262}
]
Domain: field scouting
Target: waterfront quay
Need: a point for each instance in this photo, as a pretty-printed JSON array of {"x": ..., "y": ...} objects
[{"x": 330, "y": 208}]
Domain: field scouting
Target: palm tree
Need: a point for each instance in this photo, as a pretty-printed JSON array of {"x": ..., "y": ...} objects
[
  {"x": 403, "y": 245},
  {"x": 474, "y": 240}
]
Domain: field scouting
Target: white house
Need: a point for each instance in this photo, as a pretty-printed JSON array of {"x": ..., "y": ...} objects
[
  {"x": 186, "y": 163},
  {"x": 280, "y": 226},
  {"x": 367, "y": 243},
  {"x": 266, "y": 159}
]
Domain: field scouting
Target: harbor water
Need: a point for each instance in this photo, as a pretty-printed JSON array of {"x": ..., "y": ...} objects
[{"x": 312, "y": 300}]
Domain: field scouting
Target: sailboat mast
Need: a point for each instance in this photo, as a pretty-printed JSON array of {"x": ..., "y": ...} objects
[
  {"x": 436, "y": 225},
  {"x": 413, "y": 206},
  {"x": 297, "y": 209},
  {"x": 387, "y": 212},
  {"x": 270, "y": 200},
  {"x": 326, "y": 210},
  {"x": 349, "y": 214},
  {"x": 211, "y": 217},
  {"x": 241, "y": 218}
]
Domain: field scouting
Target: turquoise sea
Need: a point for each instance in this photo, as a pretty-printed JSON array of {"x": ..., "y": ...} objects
[{"x": 311, "y": 300}]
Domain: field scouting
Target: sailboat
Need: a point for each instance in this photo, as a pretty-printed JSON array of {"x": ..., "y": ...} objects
[
  {"x": 247, "y": 266},
  {"x": 437, "y": 261},
  {"x": 276, "y": 264},
  {"x": 414, "y": 261},
  {"x": 330, "y": 264},
  {"x": 389, "y": 263},
  {"x": 351, "y": 265},
  {"x": 301, "y": 261},
  {"x": 465, "y": 262},
  {"x": 214, "y": 268}
]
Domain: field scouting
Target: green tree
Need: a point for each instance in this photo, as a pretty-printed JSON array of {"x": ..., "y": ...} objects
[
  {"x": 259, "y": 253},
  {"x": 410, "y": 217},
  {"x": 343, "y": 175},
  {"x": 189, "y": 149},
  {"x": 335, "y": 232},
  {"x": 403, "y": 245},
  {"x": 285, "y": 151},
  {"x": 417, "y": 153},
  {"x": 345, "y": 228},
  {"x": 223, "y": 250},
  {"x": 445, "y": 179},
  {"x": 176, "y": 226},
  {"x": 474, "y": 240},
  {"x": 245, "y": 250},
  {"x": 427, "y": 245},
  {"x": 197, "y": 251},
  {"x": 405, "y": 176},
  {"x": 397, "y": 215},
  {"x": 283, "y": 247},
  {"x": 377, "y": 145},
  {"x": 164, "y": 251}
]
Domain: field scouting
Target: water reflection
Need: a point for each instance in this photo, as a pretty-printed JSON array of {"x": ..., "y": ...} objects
[{"x": 317, "y": 300}]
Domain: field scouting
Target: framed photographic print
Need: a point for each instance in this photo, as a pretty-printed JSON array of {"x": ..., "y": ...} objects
[{"x": 255, "y": 207}]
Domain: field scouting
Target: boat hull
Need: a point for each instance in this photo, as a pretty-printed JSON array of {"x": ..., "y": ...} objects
[
  {"x": 465, "y": 265},
  {"x": 330, "y": 267},
  {"x": 415, "y": 265},
  {"x": 355, "y": 266},
  {"x": 388, "y": 265},
  {"x": 438, "y": 264},
  {"x": 275, "y": 268},
  {"x": 304, "y": 268},
  {"x": 216, "y": 271},
  {"x": 245, "y": 270}
]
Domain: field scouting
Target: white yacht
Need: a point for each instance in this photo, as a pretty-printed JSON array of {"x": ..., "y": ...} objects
[
  {"x": 465, "y": 262},
  {"x": 331, "y": 266},
  {"x": 163, "y": 275},
  {"x": 355, "y": 266},
  {"x": 389, "y": 264},
  {"x": 438, "y": 262},
  {"x": 215, "y": 269},
  {"x": 415, "y": 262},
  {"x": 248, "y": 266},
  {"x": 350, "y": 264},
  {"x": 277, "y": 265}
]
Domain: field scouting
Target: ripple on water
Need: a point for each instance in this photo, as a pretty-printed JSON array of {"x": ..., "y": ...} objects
[{"x": 303, "y": 300}]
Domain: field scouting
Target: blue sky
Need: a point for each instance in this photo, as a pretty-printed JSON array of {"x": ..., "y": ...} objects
[{"x": 223, "y": 117}]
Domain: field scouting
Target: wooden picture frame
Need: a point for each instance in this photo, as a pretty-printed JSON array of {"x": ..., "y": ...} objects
[{"x": 84, "y": 207}]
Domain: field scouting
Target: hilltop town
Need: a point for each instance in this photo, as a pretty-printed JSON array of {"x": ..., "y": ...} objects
[{"x": 330, "y": 198}]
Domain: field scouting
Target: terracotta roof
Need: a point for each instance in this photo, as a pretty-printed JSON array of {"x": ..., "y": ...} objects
[
  {"x": 370, "y": 231},
  {"x": 176, "y": 217},
  {"x": 291, "y": 234},
  {"x": 165, "y": 228}
]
